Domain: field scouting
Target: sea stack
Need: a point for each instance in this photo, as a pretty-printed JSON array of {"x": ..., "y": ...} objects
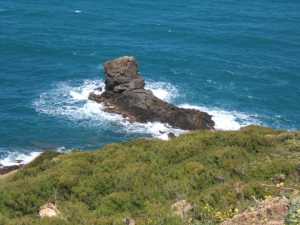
[{"x": 125, "y": 94}]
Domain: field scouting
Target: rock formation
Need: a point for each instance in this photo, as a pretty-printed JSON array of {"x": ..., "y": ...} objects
[
  {"x": 181, "y": 208},
  {"x": 272, "y": 211},
  {"x": 129, "y": 221},
  {"x": 125, "y": 94},
  {"x": 49, "y": 210},
  {"x": 8, "y": 169}
]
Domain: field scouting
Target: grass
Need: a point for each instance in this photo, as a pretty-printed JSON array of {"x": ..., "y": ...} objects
[{"x": 219, "y": 173}]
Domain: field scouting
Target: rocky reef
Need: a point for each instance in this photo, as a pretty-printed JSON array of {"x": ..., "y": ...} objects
[{"x": 125, "y": 94}]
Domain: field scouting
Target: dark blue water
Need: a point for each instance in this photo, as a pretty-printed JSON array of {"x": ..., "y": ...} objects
[{"x": 239, "y": 60}]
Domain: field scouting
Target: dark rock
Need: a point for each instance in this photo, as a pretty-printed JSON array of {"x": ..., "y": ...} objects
[
  {"x": 125, "y": 94},
  {"x": 171, "y": 135},
  {"x": 279, "y": 178},
  {"x": 99, "y": 89},
  {"x": 7, "y": 169},
  {"x": 122, "y": 74}
]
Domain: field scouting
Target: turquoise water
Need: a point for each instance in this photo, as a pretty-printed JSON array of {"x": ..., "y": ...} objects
[{"x": 238, "y": 60}]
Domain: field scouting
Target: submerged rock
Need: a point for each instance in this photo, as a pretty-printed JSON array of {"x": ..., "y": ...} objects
[{"x": 125, "y": 94}]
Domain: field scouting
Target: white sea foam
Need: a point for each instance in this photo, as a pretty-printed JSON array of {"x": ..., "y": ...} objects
[
  {"x": 162, "y": 90},
  {"x": 155, "y": 129},
  {"x": 77, "y": 11},
  {"x": 82, "y": 92},
  {"x": 226, "y": 120},
  {"x": 70, "y": 101},
  {"x": 17, "y": 158}
]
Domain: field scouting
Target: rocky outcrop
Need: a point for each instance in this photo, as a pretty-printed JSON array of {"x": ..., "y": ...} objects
[
  {"x": 7, "y": 169},
  {"x": 129, "y": 221},
  {"x": 272, "y": 211},
  {"x": 125, "y": 94},
  {"x": 49, "y": 210},
  {"x": 293, "y": 217},
  {"x": 181, "y": 208}
]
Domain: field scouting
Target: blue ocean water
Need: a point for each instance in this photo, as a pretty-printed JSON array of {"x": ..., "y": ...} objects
[{"x": 238, "y": 60}]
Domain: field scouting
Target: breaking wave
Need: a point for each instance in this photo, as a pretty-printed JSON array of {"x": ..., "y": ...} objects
[
  {"x": 162, "y": 90},
  {"x": 226, "y": 120},
  {"x": 17, "y": 158},
  {"x": 70, "y": 101}
]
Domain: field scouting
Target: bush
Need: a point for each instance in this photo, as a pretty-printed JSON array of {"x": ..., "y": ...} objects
[{"x": 217, "y": 172}]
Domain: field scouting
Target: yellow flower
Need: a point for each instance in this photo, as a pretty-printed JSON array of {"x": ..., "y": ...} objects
[
  {"x": 218, "y": 214},
  {"x": 269, "y": 196},
  {"x": 280, "y": 185}
]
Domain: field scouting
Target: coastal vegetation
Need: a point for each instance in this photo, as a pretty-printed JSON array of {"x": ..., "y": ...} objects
[{"x": 219, "y": 173}]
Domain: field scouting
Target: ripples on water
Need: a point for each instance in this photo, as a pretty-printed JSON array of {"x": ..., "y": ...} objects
[{"x": 238, "y": 60}]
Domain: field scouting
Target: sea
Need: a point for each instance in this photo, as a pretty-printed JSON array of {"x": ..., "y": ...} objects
[{"x": 237, "y": 60}]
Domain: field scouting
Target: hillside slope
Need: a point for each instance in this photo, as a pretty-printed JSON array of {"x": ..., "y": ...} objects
[{"x": 218, "y": 173}]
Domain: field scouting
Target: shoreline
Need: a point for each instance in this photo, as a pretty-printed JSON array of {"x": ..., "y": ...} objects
[
  {"x": 255, "y": 162},
  {"x": 8, "y": 170}
]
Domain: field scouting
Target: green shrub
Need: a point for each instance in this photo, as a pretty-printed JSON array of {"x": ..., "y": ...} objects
[{"x": 216, "y": 172}]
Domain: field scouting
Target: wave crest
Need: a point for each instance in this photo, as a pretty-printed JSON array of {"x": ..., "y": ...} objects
[
  {"x": 70, "y": 101},
  {"x": 17, "y": 158},
  {"x": 226, "y": 120}
]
